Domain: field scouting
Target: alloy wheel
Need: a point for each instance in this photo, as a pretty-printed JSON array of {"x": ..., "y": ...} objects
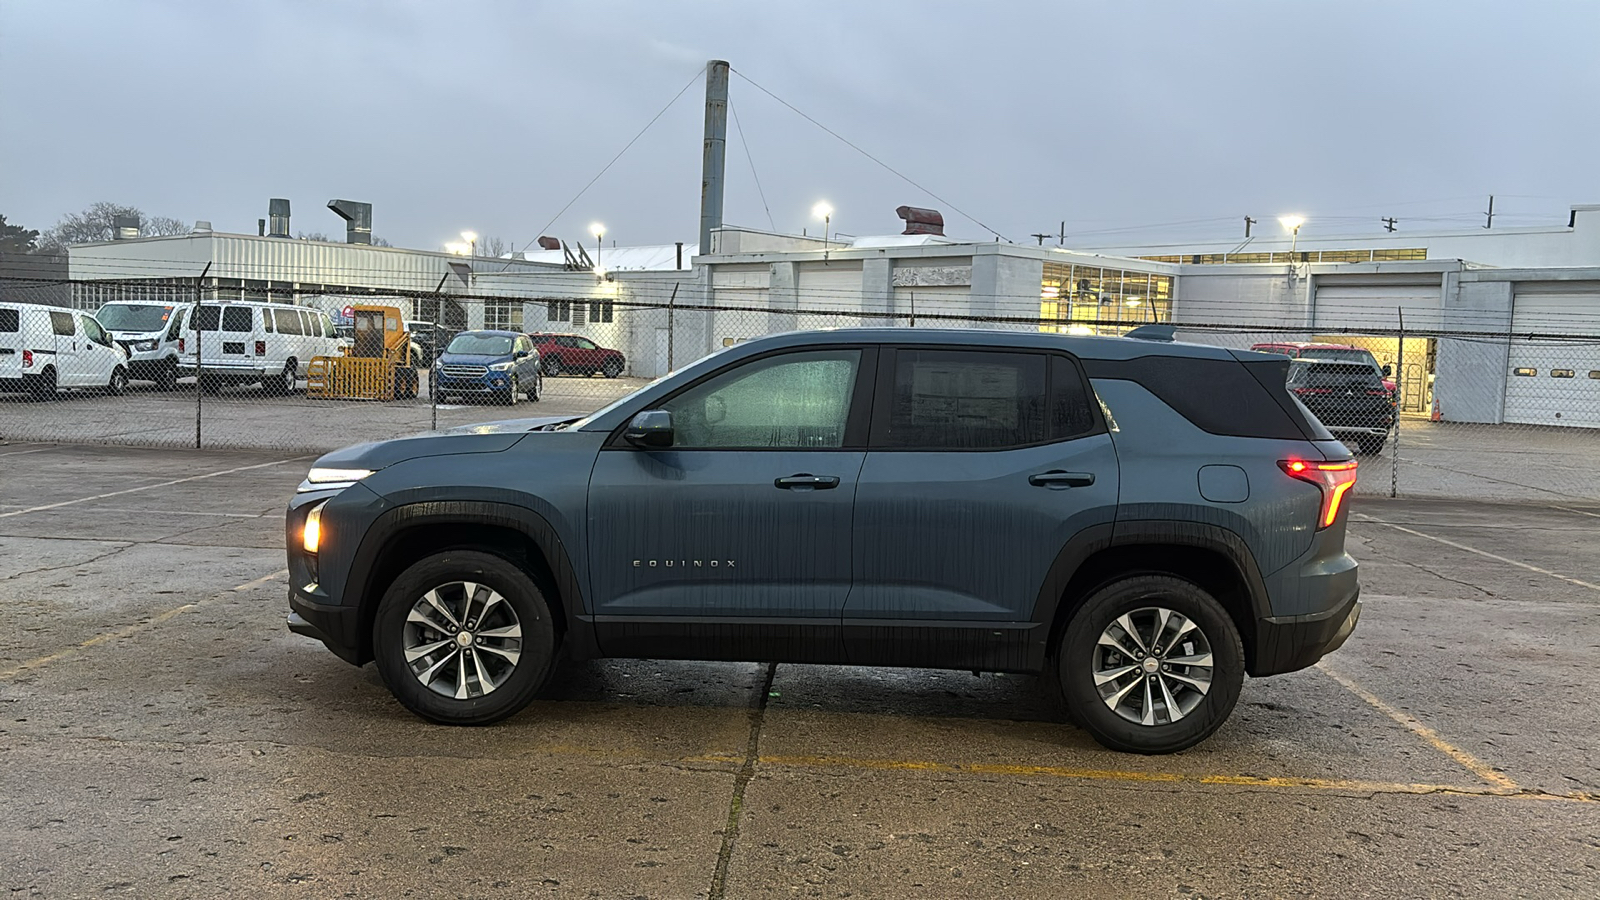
[
  {"x": 462, "y": 640},
  {"x": 1152, "y": 666}
]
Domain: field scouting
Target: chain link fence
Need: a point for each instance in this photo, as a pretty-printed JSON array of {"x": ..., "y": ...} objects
[{"x": 1478, "y": 414}]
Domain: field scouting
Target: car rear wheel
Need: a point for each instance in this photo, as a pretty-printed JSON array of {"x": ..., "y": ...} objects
[
  {"x": 553, "y": 367},
  {"x": 612, "y": 368},
  {"x": 43, "y": 385},
  {"x": 464, "y": 638},
  {"x": 284, "y": 382},
  {"x": 1150, "y": 664},
  {"x": 167, "y": 376}
]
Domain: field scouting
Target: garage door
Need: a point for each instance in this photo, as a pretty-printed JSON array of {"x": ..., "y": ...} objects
[
  {"x": 830, "y": 286},
  {"x": 1359, "y": 307},
  {"x": 1555, "y": 382}
]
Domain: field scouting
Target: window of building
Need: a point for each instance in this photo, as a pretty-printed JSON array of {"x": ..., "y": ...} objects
[
  {"x": 1095, "y": 300},
  {"x": 1562, "y": 373},
  {"x": 797, "y": 400},
  {"x": 1525, "y": 372},
  {"x": 559, "y": 311},
  {"x": 601, "y": 310},
  {"x": 503, "y": 315},
  {"x": 964, "y": 400}
]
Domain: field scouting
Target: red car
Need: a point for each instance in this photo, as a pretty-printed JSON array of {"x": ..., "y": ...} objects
[
  {"x": 574, "y": 354},
  {"x": 1332, "y": 352}
]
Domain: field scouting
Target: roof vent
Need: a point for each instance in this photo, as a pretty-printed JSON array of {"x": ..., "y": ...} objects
[
  {"x": 201, "y": 227},
  {"x": 278, "y": 218},
  {"x": 124, "y": 228},
  {"x": 549, "y": 243},
  {"x": 921, "y": 221},
  {"x": 357, "y": 220}
]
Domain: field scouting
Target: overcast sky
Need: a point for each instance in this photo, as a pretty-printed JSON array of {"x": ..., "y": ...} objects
[{"x": 1130, "y": 121}]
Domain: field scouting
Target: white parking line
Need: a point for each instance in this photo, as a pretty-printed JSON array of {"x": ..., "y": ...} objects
[
  {"x": 21, "y": 452},
  {"x": 1580, "y": 512},
  {"x": 147, "y": 487},
  {"x": 1484, "y": 553}
]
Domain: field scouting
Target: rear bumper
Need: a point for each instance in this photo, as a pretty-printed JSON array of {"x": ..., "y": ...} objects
[
  {"x": 249, "y": 371},
  {"x": 1290, "y": 643}
]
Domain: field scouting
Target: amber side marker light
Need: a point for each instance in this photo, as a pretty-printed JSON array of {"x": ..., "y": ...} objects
[{"x": 1334, "y": 478}]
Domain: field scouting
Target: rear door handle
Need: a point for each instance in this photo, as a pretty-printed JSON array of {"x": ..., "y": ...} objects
[
  {"x": 1058, "y": 479},
  {"x": 805, "y": 481}
]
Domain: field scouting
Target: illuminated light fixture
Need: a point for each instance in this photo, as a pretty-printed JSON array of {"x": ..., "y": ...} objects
[
  {"x": 599, "y": 232},
  {"x": 458, "y": 248},
  {"x": 1134, "y": 301},
  {"x": 824, "y": 212},
  {"x": 1292, "y": 225},
  {"x": 1080, "y": 330},
  {"x": 1050, "y": 290},
  {"x": 470, "y": 237},
  {"x": 1335, "y": 479}
]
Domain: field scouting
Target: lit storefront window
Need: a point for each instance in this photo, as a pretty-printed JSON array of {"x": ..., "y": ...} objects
[{"x": 1095, "y": 300}]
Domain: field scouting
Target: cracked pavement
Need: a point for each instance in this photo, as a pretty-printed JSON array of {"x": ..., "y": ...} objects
[{"x": 177, "y": 741}]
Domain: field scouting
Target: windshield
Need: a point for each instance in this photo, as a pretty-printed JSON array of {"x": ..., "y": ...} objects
[
  {"x": 132, "y": 317},
  {"x": 1360, "y": 356},
  {"x": 481, "y": 344}
]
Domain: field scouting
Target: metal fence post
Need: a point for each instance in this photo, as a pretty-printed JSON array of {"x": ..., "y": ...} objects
[
  {"x": 671, "y": 302},
  {"x": 199, "y": 352},
  {"x": 433, "y": 362},
  {"x": 1399, "y": 407}
]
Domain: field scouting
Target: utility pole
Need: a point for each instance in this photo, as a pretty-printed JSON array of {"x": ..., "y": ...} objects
[
  {"x": 1490, "y": 222},
  {"x": 1389, "y": 222},
  {"x": 1040, "y": 237},
  {"x": 1061, "y": 236},
  {"x": 1247, "y": 223},
  {"x": 714, "y": 158}
]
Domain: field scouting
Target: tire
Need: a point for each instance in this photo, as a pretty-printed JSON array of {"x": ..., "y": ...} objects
[
  {"x": 553, "y": 367},
  {"x": 1371, "y": 446},
  {"x": 612, "y": 368},
  {"x": 405, "y": 384},
  {"x": 536, "y": 393},
  {"x": 119, "y": 382},
  {"x": 511, "y": 394},
  {"x": 42, "y": 387},
  {"x": 1133, "y": 727},
  {"x": 444, "y": 576},
  {"x": 167, "y": 376},
  {"x": 283, "y": 384}
]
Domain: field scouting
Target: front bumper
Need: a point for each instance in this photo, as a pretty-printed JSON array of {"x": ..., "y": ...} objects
[
  {"x": 1290, "y": 643},
  {"x": 492, "y": 383},
  {"x": 337, "y": 627}
]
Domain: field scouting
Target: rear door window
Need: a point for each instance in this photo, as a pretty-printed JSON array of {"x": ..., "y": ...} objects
[
  {"x": 206, "y": 319},
  {"x": 964, "y": 400},
  {"x": 288, "y": 322},
  {"x": 10, "y": 321},
  {"x": 61, "y": 324},
  {"x": 238, "y": 319}
]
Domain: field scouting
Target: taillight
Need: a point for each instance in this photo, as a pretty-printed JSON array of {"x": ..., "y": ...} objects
[
  {"x": 1313, "y": 390},
  {"x": 1378, "y": 392},
  {"x": 1334, "y": 478},
  {"x": 27, "y": 359},
  {"x": 181, "y": 342},
  {"x": 261, "y": 348}
]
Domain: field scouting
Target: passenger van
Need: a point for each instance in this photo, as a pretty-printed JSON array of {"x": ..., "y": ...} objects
[
  {"x": 248, "y": 343},
  {"x": 43, "y": 348},
  {"x": 149, "y": 332}
]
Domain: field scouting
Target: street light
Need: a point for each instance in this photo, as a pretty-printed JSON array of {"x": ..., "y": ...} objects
[
  {"x": 471, "y": 237},
  {"x": 599, "y": 232},
  {"x": 1292, "y": 225},
  {"x": 824, "y": 212}
]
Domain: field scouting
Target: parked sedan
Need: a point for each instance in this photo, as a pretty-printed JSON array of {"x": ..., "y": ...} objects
[
  {"x": 574, "y": 354},
  {"x": 1349, "y": 398}
]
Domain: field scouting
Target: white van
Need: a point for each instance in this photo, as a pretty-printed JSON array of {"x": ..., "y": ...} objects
[
  {"x": 149, "y": 332},
  {"x": 43, "y": 348},
  {"x": 247, "y": 342}
]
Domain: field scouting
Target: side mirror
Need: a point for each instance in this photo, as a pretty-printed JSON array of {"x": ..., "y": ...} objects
[
  {"x": 520, "y": 354},
  {"x": 1388, "y": 369},
  {"x": 650, "y": 430}
]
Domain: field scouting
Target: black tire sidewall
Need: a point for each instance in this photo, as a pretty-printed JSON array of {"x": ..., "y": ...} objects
[
  {"x": 1075, "y": 654},
  {"x": 518, "y": 589}
]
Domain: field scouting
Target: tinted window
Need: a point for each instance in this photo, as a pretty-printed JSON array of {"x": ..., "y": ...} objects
[
  {"x": 1070, "y": 412},
  {"x": 61, "y": 323},
  {"x": 10, "y": 321},
  {"x": 1334, "y": 375},
  {"x": 797, "y": 400},
  {"x": 1360, "y": 356},
  {"x": 1221, "y": 396},
  {"x": 288, "y": 322},
  {"x": 206, "y": 318},
  {"x": 237, "y": 318},
  {"x": 177, "y": 323},
  {"x": 964, "y": 400}
]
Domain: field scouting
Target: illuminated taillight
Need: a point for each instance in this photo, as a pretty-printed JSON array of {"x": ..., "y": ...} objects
[
  {"x": 1378, "y": 392},
  {"x": 27, "y": 359},
  {"x": 261, "y": 348},
  {"x": 1334, "y": 478},
  {"x": 1313, "y": 390}
]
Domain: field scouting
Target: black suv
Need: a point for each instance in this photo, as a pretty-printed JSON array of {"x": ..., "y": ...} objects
[
  {"x": 1148, "y": 522},
  {"x": 1349, "y": 398}
]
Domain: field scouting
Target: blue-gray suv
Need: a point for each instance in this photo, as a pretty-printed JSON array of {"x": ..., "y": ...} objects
[{"x": 1146, "y": 522}]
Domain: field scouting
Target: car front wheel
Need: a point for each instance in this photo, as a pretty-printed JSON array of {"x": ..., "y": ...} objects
[
  {"x": 1151, "y": 664},
  {"x": 464, "y": 638}
]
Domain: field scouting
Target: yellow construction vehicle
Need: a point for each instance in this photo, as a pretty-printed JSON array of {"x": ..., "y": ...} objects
[{"x": 378, "y": 365}]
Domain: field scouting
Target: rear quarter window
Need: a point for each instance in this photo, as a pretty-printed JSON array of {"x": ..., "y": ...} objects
[
  {"x": 10, "y": 321},
  {"x": 1220, "y": 396}
]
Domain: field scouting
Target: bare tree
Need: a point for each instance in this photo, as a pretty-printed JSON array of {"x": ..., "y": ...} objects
[
  {"x": 311, "y": 236},
  {"x": 380, "y": 242},
  {"x": 492, "y": 246},
  {"x": 98, "y": 223}
]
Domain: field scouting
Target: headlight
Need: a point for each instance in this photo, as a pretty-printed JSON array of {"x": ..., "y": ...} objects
[
  {"x": 332, "y": 479},
  {"x": 144, "y": 346},
  {"x": 502, "y": 367},
  {"x": 311, "y": 535}
]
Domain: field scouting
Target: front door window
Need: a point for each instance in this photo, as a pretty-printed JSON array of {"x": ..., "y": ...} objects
[{"x": 798, "y": 400}]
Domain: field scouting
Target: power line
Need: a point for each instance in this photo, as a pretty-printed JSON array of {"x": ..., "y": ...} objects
[
  {"x": 740, "y": 129},
  {"x": 614, "y": 159},
  {"x": 880, "y": 162}
]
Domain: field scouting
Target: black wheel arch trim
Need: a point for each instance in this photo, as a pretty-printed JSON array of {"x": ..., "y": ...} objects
[
  {"x": 1090, "y": 541},
  {"x": 579, "y": 633}
]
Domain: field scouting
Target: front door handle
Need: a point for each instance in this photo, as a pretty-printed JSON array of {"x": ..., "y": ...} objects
[
  {"x": 1057, "y": 479},
  {"x": 805, "y": 481}
]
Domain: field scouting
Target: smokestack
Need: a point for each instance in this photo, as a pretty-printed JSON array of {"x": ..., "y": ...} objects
[
  {"x": 549, "y": 243},
  {"x": 261, "y": 227},
  {"x": 357, "y": 218},
  {"x": 278, "y": 218},
  {"x": 125, "y": 228},
  {"x": 680, "y": 254},
  {"x": 921, "y": 221},
  {"x": 716, "y": 144}
]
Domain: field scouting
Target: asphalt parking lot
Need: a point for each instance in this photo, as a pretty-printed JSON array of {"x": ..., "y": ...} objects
[{"x": 163, "y": 735}]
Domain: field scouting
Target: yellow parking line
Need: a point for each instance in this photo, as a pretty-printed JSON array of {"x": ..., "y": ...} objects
[
  {"x": 40, "y": 662},
  {"x": 1471, "y": 763}
]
